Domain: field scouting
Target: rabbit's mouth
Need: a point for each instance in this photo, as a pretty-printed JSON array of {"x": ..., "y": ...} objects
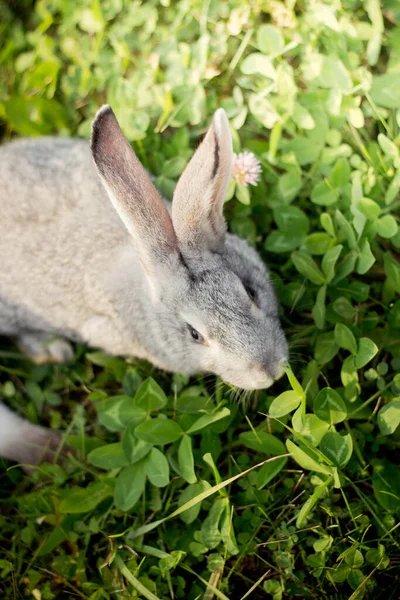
[
  {"x": 251, "y": 381},
  {"x": 263, "y": 384},
  {"x": 245, "y": 384},
  {"x": 257, "y": 378}
]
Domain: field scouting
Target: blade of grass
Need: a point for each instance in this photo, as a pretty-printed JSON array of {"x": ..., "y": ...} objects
[
  {"x": 210, "y": 587},
  {"x": 371, "y": 399},
  {"x": 212, "y": 583},
  {"x": 356, "y": 593},
  {"x": 139, "y": 587},
  {"x": 257, "y": 583},
  {"x": 240, "y": 51},
  {"x": 14, "y": 371},
  {"x": 199, "y": 498}
]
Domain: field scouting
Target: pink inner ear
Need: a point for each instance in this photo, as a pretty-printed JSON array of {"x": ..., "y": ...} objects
[
  {"x": 132, "y": 193},
  {"x": 108, "y": 143},
  {"x": 197, "y": 208},
  {"x": 111, "y": 137}
]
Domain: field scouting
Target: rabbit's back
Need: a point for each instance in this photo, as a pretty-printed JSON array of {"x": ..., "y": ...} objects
[
  {"x": 55, "y": 217},
  {"x": 41, "y": 177}
]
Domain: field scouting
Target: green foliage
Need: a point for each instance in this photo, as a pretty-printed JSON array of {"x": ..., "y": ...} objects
[{"x": 174, "y": 490}]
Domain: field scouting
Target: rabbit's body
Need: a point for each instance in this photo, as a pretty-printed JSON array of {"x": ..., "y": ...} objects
[
  {"x": 63, "y": 248},
  {"x": 90, "y": 252}
]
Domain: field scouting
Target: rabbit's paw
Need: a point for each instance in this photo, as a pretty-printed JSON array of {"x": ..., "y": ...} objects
[
  {"x": 29, "y": 445},
  {"x": 42, "y": 350},
  {"x": 44, "y": 445}
]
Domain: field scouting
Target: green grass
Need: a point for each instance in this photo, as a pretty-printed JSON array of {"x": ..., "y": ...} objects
[{"x": 186, "y": 506}]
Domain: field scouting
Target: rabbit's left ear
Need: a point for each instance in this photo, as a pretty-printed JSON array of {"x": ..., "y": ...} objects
[
  {"x": 197, "y": 207},
  {"x": 133, "y": 195}
]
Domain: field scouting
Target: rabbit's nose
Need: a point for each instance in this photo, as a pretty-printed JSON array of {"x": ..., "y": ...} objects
[
  {"x": 266, "y": 367},
  {"x": 274, "y": 368}
]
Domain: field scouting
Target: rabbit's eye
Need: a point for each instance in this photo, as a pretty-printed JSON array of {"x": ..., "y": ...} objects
[
  {"x": 251, "y": 293},
  {"x": 195, "y": 334}
]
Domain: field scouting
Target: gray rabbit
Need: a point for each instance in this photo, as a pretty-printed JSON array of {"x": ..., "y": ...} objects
[{"x": 89, "y": 251}]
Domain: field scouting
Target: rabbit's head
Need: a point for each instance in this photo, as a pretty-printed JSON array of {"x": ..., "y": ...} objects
[{"x": 212, "y": 302}]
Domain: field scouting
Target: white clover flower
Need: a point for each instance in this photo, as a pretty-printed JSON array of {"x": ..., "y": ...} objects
[{"x": 246, "y": 168}]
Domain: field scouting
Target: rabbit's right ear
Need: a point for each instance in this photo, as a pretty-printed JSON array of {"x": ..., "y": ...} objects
[
  {"x": 134, "y": 197},
  {"x": 197, "y": 206}
]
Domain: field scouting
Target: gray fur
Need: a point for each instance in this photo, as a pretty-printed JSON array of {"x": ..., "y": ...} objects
[{"x": 124, "y": 276}]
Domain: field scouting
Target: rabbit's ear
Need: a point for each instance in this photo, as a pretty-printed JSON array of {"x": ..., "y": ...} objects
[
  {"x": 134, "y": 197},
  {"x": 199, "y": 195}
]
